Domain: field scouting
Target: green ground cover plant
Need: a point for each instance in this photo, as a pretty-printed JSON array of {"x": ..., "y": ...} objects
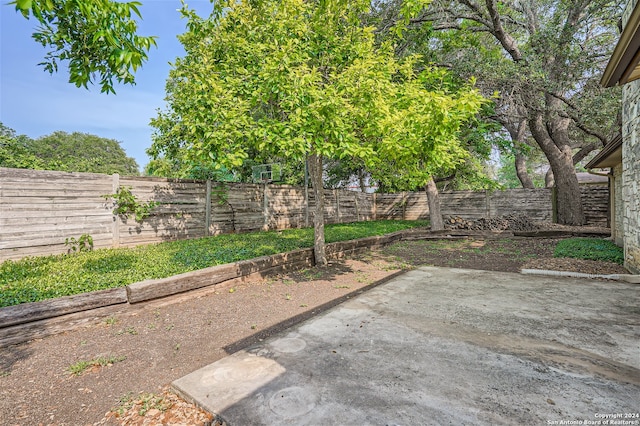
[
  {"x": 39, "y": 278},
  {"x": 590, "y": 249},
  {"x": 81, "y": 366}
]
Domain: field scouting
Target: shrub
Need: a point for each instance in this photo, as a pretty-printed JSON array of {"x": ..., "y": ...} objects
[{"x": 590, "y": 249}]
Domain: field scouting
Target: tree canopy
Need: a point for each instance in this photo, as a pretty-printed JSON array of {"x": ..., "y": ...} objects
[
  {"x": 98, "y": 38},
  {"x": 71, "y": 152},
  {"x": 543, "y": 58},
  {"x": 15, "y": 152},
  {"x": 83, "y": 152},
  {"x": 303, "y": 80}
]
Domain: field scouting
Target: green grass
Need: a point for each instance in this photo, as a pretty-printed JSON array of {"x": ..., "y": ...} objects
[
  {"x": 590, "y": 249},
  {"x": 79, "y": 367},
  {"x": 40, "y": 278},
  {"x": 143, "y": 403}
]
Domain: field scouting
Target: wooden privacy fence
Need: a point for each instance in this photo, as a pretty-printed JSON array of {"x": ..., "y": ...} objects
[
  {"x": 595, "y": 202},
  {"x": 535, "y": 203},
  {"x": 40, "y": 209}
]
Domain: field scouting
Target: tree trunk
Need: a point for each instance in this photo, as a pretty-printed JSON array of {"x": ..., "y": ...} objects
[
  {"x": 521, "y": 172},
  {"x": 569, "y": 201},
  {"x": 518, "y": 133},
  {"x": 361, "y": 180},
  {"x": 315, "y": 175},
  {"x": 433, "y": 198},
  {"x": 560, "y": 156},
  {"x": 549, "y": 181}
]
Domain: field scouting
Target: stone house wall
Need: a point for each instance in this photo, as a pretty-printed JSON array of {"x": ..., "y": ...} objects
[
  {"x": 631, "y": 165},
  {"x": 631, "y": 174}
]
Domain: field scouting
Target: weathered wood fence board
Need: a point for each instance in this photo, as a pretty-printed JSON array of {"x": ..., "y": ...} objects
[
  {"x": 416, "y": 207},
  {"x": 467, "y": 204},
  {"x": 535, "y": 203},
  {"x": 180, "y": 214},
  {"x": 365, "y": 206},
  {"x": 40, "y": 209},
  {"x": 595, "y": 201},
  {"x": 286, "y": 207},
  {"x": 390, "y": 206}
]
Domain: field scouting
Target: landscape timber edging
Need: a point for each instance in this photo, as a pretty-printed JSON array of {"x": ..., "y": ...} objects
[
  {"x": 162, "y": 287},
  {"x": 27, "y": 321},
  {"x": 146, "y": 290},
  {"x": 29, "y": 312}
]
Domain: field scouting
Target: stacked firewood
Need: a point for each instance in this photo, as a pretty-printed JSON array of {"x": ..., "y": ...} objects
[
  {"x": 456, "y": 222},
  {"x": 512, "y": 222}
]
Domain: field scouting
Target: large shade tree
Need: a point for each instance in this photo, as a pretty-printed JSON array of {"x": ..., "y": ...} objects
[
  {"x": 427, "y": 118},
  {"x": 71, "y": 152},
  {"x": 299, "y": 79},
  {"x": 82, "y": 152},
  {"x": 544, "y": 58}
]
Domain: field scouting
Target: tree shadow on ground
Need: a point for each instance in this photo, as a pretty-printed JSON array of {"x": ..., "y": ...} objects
[
  {"x": 10, "y": 355},
  {"x": 331, "y": 272},
  {"x": 111, "y": 263}
]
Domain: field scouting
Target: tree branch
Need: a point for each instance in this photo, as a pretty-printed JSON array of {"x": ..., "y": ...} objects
[
  {"x": 584, "y": 151},
  {"x": 445, "y": 178},
  {"x": 580, "y": 125},
  {"x": 578, "y": 122},
  {"x": 505, "y": 39}
]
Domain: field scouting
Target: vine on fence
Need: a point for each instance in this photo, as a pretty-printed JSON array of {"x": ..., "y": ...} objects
[
  {"x": 221, "y": 191},
  {"x": 83, "y": 243},
  {"x": 127, "y": 204}
]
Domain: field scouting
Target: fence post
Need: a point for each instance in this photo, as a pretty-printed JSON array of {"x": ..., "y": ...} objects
[
  {"x": 306, "y": 205},
  {"x": 404, "y": 205},
  {"x": 375, "y": 206},
  {"x": 207, "y": 209},
  {"x": 487, "y": 203},
  {"x": 336, "y": 195},
  {"x": 355, "y": 202},
  {"x": 115, "y": 227},
  {"x": 265, "y": 207}
]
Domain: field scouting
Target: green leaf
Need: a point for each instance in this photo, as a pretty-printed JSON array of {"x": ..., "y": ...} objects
[{"x": 24, "y": 5}]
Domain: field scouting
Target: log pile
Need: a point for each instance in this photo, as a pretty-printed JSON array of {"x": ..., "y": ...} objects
[{"x": 512, "y": 222}]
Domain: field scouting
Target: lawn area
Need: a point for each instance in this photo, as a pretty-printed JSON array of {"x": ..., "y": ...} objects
[
  {"x": 590, "y": 249},
  {"x": 39, "y": 278}
]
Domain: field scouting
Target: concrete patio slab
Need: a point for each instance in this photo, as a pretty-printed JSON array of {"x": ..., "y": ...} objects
[{"x": 443, "y": 346}]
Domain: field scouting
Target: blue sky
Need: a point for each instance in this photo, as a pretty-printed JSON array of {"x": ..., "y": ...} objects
[{"x": 35, "y": 103}]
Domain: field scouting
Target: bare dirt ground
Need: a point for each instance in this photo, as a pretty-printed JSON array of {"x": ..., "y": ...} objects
[
  {"x": 496, "y": 254},
  {"x": 148, "y": 348}
]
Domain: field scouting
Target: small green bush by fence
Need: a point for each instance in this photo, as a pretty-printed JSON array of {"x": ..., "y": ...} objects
[{"x": 590, "y": 249}]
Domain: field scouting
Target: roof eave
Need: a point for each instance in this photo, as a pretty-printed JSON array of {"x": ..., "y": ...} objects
[
  {"x": 609, "y": 156},
  {"x": 623, "y": 65}
]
